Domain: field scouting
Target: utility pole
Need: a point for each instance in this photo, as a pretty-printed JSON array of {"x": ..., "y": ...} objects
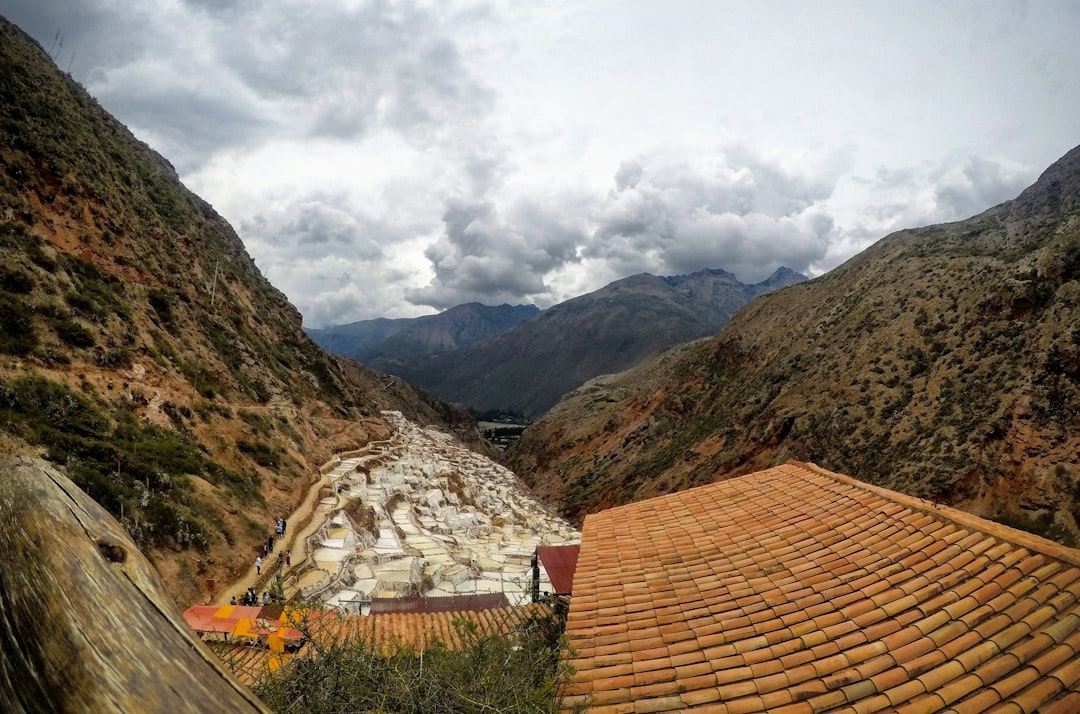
[{"x": 213, "y": 288}]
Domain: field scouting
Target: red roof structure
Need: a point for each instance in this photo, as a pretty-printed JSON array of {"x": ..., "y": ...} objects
[
  {"x": 796, "y": 590},
  {"x": 560, "y": 562},
  {"x": 242, "y": 620}
]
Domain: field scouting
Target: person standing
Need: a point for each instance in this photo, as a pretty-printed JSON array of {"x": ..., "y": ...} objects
[
  {"x": 258, "y": 565},
  {"x": 288, "y": 558}
]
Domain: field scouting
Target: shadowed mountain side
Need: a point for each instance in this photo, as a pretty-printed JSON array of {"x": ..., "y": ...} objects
[
  {"x": 376, "y": 341},
  {"x": 85, "y": 623},
  {"x": 529, "y": 366},
  {"x": 943, "y": 362}
]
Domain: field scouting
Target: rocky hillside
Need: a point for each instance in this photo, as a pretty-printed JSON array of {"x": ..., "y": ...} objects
[
  {"x": 943, "y": 362},
  {"x": 379, "y": 341},
  {"x": 142, "y": 350},
  {"x": 526, "y": 369}
]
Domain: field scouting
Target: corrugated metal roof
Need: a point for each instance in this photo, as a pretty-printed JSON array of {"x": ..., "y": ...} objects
[
  {"x": 560, "y": 562},
  {"x": 446, "y": 603}
]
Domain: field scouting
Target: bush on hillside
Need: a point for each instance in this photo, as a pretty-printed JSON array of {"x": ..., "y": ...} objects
[
  {"x": 17, "y": 336},
  {"x": 519, "y": 672}
]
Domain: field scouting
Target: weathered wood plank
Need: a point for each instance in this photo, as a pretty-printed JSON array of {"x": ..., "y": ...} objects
[{"x": 85, "y": 623}]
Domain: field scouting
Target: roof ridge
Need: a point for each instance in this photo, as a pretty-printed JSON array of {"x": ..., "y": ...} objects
[{"x": 962, "y": 518}]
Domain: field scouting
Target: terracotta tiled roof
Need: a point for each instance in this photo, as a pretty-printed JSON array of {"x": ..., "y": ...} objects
[
  {"x": 418, "y": 629},
  {"x": 247, "y": 662},
  {"x": 797, "y": 590},
  {"x": 385, "y": 632},
  {"x": 560, "y": 562}
]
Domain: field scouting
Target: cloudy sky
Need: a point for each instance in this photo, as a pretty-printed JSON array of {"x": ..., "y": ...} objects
[{"x": 383, "y": 158}]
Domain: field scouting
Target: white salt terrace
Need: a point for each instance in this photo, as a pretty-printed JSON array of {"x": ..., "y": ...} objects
[{"x": 449, "y": 522}]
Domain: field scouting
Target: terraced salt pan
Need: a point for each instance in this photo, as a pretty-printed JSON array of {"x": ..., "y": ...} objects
[{"x": 460, "y": 524}]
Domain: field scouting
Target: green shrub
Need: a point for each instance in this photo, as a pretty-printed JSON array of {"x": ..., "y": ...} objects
[
  {"x": 265, "y": 455},
  {"x": 99, "y": 293},
  {"x": 15, "y": 281},
  {"x": 261, "y": 425},
  {"x": 518, "y": 672},
  {"x": 17, "y": 335},
  {"x": 161, "y": 301},
  {"x": 37, "y": 254},
  {"x": 72, "y": 333}
]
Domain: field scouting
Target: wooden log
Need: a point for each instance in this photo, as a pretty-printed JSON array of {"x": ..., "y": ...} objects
[{"x": 85, "y": 623}]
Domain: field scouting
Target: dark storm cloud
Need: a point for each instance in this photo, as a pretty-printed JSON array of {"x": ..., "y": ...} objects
[
  {"x": 734, "y": 211},
  {"x": 975, "y": 186},
  {"x": 202, "y": 76},
  {"x": 329, "y": 250},
  {"x": 731, "y": 210},
  {"x": 482, "y": 257},
  {"x": 317, "y": 222},
  {"x": 956, "y": 187},
  {"x": 71, "y": 32},
  {"x": 199, "y": 123},
  {"x": 351, "y": 67}
]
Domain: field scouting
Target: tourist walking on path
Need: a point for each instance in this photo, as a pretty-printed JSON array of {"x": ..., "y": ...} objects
[{"x": 258, "y": 565}]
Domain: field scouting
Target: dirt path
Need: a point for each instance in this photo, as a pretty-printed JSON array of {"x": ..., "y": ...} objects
[{"x": 301, "y": 524}]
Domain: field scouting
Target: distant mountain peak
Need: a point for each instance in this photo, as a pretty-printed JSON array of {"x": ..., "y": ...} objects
[{"x": 784, "y": 273}]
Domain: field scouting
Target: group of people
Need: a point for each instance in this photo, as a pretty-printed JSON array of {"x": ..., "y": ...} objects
[
  {"x": 251, "y": 599},
  {"x": 282, "y": 561},
  {"x": 279, "y": 530},
  {"x": 259, "y": 561}
]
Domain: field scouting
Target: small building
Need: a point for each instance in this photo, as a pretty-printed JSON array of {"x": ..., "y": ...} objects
[{"x": 558, "y": 563}]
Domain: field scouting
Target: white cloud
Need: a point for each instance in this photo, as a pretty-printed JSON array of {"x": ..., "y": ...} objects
[{"x": 390, "y": 158}]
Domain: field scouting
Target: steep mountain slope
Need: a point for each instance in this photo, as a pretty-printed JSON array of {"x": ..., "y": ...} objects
[
  {"x": 142, "y": 350},
  {"x": 943, "y": 362},
  {"x": 376, "y": 341},
  {"x": 528, "y": 367}
]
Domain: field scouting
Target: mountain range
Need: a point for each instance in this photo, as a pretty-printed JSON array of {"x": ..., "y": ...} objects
[
  {"x": 385, "y": 340},
  {"x": 525, "y": 367},
  {"x": 943, "y": 362}
]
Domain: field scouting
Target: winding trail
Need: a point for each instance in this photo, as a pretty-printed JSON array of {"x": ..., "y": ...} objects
[{"x": 301, "y": 524}]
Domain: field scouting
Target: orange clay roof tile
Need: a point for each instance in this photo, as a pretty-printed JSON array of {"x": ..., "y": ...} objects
[{"x": 798, "y": 590}]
